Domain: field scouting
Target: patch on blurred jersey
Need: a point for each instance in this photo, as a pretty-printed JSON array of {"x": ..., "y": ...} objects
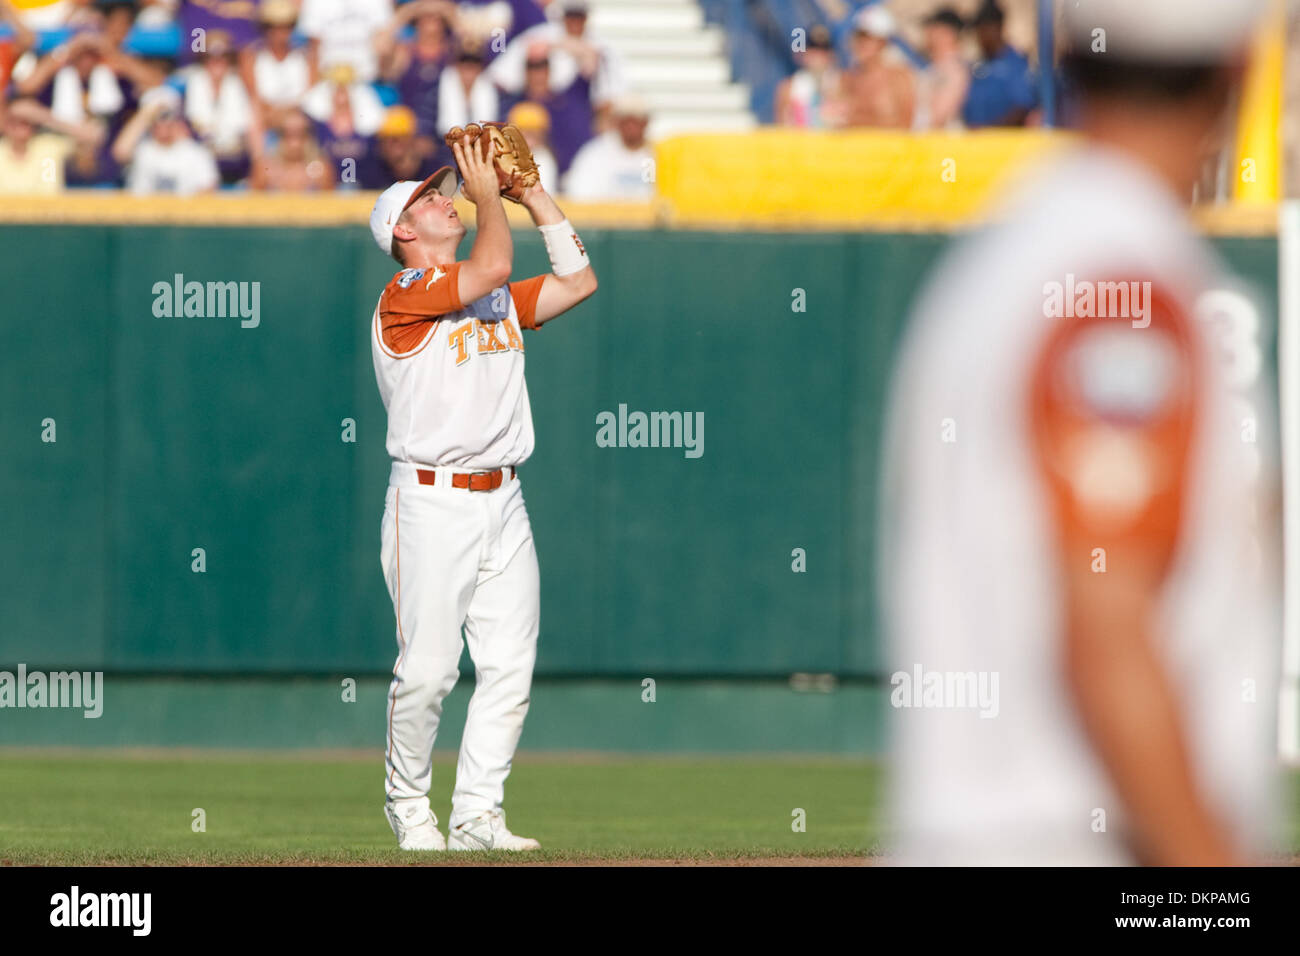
[
  {"x": 1122, "y": 376},
  {"x": 1112, "y": 472},
  {"x": 408, "y": 276}
]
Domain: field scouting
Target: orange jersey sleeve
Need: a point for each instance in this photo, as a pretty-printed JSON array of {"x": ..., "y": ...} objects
[
  {"x": 525, "y": 293},
  {"x": 413, "y": 301},
  {"x": 1112, "y": 410}
]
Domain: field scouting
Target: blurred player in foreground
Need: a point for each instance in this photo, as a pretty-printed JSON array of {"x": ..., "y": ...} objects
[{"x": 1083, "y": 627}]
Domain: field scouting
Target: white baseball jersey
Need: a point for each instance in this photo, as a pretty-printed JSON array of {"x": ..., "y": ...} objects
[
  {"x": 1060, "y": 365},
  {"x": 451, "y": 374}
]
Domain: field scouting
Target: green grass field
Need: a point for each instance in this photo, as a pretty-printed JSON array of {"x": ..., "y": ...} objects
[
  {"x": 107, "y": 807},
  {"x": 93, "y": 807}
]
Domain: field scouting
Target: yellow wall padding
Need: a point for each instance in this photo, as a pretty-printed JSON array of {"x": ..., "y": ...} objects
[
  {"x": 273, "y": 209},
  {"x": 873, "y": 178},
  {"x": 1259, "y": 145}
]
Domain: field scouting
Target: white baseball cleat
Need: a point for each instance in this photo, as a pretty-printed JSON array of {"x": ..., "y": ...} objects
[
  {"x": 415, "y": 826},
  {"x": 488, "y": 832}
]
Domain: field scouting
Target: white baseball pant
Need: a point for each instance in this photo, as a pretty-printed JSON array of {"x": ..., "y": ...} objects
[{"x": 456, "y": 557}]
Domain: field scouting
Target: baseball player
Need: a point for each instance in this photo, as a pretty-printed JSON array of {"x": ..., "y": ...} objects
[
  {"x": 1075, "y": 521},
  {"x": 457, "y": 548}
]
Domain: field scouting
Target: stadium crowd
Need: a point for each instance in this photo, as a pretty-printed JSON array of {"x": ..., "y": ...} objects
[
  {"x": 186, "y": 96},
  {"x": 305, "y": 94},
  {"x": 888, "y": 85}
]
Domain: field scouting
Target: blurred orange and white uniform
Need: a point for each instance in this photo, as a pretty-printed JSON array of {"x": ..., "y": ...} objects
[{"x": 1043, "y": 413}]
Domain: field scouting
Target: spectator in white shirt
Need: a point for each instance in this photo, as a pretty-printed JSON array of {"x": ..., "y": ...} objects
[
  {"x": 159, "y": 152},
  {"x": 87, "y": 76},
  {"x": 574, "y": 54},
  {"x": 618, "y": 164},
  {"x": 218, "y": 106},
  {"x": 276, "y": 74},
  {"x": 339, "y": 92},
  {"x": 342, "y": 32},
  {"x": 465, "y": 92}
]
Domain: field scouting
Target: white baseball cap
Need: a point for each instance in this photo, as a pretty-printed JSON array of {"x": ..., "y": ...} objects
[
  {"x": 1165, "y": 31},
  {"x": 392, "y": 202},
  {"x": 875, "y": 21}
]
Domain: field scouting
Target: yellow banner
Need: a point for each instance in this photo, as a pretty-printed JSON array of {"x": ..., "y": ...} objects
[
  {"x": 866, "y": 179},
  {"x": 1259, "y": 119}
]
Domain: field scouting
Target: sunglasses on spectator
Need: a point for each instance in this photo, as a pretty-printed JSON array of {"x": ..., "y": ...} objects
[{"x": 537, "y": 64}]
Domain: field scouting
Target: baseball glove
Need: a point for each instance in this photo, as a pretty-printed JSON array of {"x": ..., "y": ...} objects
[{"x": 515, "y": 166}]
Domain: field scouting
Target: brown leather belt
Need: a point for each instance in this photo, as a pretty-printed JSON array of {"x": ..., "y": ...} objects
[{"x": 477, "y": 481}]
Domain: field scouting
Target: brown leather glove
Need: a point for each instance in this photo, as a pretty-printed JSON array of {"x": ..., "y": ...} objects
[{"x": 515, "y": 166}]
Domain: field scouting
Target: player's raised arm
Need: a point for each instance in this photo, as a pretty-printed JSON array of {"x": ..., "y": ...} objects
[
  {"x": 489, "y": 262},
  {"x": 572, "y": 278}
]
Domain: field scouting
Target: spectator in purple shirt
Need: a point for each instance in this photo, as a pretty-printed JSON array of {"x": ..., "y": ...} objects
[
  {"x": 348, "y": 146},
  {"x": 415, "y": 66},
  {"x": 238, "y": 18},
  {"x": 569, "y": 109},
  {"x": 523, "y": 14},
  {"x": 492, "y": 24},
  {"x": 90, "y": 77},
  {"x": 402, "y": 154}
]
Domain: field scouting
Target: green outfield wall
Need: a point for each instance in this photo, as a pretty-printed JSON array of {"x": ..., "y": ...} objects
[
  {"x": 226, "y": 434},
  {"x": 278, "y": 712}
]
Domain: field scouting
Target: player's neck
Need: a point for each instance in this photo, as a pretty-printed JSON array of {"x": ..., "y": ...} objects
[
  {"x": 426, "y": 255},
  {"x": 1171, "y": 146}
]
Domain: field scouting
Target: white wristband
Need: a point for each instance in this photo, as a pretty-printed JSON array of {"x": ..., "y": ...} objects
[{"x": 568, "y": 255}]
